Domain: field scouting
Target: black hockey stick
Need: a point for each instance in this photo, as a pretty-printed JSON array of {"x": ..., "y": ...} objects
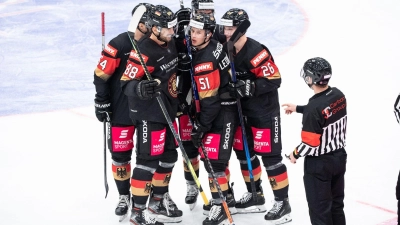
[
  {"x": 105, "y": 123},
  {"x": 131, "y": 33},
  {"x": 239, "y": 32}
]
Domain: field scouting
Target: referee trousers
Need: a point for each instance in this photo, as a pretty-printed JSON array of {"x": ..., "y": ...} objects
[{"x": 324, "y": 186}]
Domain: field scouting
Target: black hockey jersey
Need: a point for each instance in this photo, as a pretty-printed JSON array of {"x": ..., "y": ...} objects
[
  {"x": 324, "y": 123},
  {"x": 107, "y": 77},
  {"x": 255, "y": 62},
  {"x": 161, "y": 62},
  {"x": 211, "y": 68}
]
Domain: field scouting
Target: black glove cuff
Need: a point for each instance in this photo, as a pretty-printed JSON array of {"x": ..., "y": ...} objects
[{"x": 102, "y": 104}]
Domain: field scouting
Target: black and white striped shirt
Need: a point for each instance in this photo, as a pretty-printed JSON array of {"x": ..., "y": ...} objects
[
  {"x": 397, "y": 108},
  {"x": 324, "y": 124}
]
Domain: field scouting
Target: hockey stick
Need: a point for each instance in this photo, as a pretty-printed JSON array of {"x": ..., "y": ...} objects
[
  {"x": 105, "y": 123},
  {"x": 241, "y": 29},
  {"x": 131, "y": 32}
]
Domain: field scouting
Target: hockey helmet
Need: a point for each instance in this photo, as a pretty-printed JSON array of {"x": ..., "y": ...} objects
[
  {"x": 148, "y": 6},
  {"x": 316, "y": 71},
  {"x": 234, "y": 17},
  {"x": 202, "y": 5},
  {"x": 161, "y": 16},
  {"x": 203, "y": 21}
]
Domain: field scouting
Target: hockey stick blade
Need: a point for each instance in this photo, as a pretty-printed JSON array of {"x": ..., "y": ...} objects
[
  {"x": 240, "y": 30},
  {"x": 136, "y": 18}
]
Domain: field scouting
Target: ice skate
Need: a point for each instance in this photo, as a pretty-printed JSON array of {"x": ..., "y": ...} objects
[
  {"x": 280, "y": 213},
  {"x": 164, "y": 209},
  {"x": 230, "y": 201},
  {"x": 142, "y": 217},
  {"x": 247, "y": 205},
  {"x": 123, "y": 207},
  {"x": 217, "y": 216},
  {"x": 191, "y": 194}
]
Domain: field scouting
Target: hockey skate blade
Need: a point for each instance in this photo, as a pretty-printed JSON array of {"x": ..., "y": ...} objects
[
  {"x": 285, "y": 219},
  {"x": 165, "y": 219},
  {"x": 252, "y": 209},
  {"x": 192, "y": 205},
  {"x": 232, "y": 211},
  {"x": 121, "y": 218}
]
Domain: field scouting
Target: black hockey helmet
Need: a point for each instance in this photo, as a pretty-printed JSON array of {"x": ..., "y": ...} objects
[
  {"x": 203, "y": 21},
  {"x": 161, "y": 16},
  {"x": 202, "y": 4},
  {"x": 316, "y": 71},
  {"x": 148, "y": 6},
  {"x": 234, "y": 17}
]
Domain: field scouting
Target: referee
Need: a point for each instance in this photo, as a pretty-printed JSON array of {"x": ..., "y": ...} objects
[{"x": 323, "y": 140}]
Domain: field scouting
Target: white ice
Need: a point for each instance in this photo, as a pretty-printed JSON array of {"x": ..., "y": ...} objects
[{"x": 51, "y": 144}]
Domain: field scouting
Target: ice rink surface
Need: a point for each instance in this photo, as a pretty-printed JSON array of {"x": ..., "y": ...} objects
[{"x": 51, "y": 144}]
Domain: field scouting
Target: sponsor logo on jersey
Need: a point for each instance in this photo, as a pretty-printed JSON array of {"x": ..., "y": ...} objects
[
  {"x": 227, "y": 135},
  {"x": 334, "y": 107},
  {"x": 111, "y": 50},
  {"x": 124, "y": 134},
  {"x": 259, "y": 58},
  {"x": 144, "y": 130},
  {"x": 208, "y": 140},
  {"x": 208, "y": 66},
  {"x": 170, "y": 65},
  {"x": 259, "y": 134},
  {"x": 218, "y": 50},
  {"x": 276, "y": 129},
  {"x": 162, "y": 136},
  {"x": 135, "y": 56}
]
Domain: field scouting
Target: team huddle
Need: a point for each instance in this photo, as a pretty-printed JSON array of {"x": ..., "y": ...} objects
[{"x": 183, "y": 71}]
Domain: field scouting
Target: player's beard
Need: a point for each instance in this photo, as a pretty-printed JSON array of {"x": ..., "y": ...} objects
[{"x": 165, "y": 38}]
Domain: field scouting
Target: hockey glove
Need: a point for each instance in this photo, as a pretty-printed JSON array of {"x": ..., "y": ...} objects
[
  {"x": 183, "y": 62},
  {"x": 147, "y": 89},
  {"x": 183, "y": 19},
  {"x": 103, "y": 110},
  {"x": 197, "y": 134},
  {"x": 242, "y": 89}
]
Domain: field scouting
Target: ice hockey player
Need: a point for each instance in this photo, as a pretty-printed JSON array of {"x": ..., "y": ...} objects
[
  {"x": 258, "y": 80},
  {"x": 207, "y": 7},
  {"x": 156, "y": 152},
  {"x": 185, "y": 96},
  {"x": 111, "y": 105},
  {"x": 217, "y": 120}
]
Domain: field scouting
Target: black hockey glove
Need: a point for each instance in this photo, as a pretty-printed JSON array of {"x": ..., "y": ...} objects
[
  {"x": 103, "y": 110},
  {"x": 183, "y": 106},
  {"x": 242, "y": 89},
  {"x": 197, "y": 134},
  {"x": 183, "y": 62},
  {"x": 183, "y": 19},
  {"x": 147, "y": 89}
]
